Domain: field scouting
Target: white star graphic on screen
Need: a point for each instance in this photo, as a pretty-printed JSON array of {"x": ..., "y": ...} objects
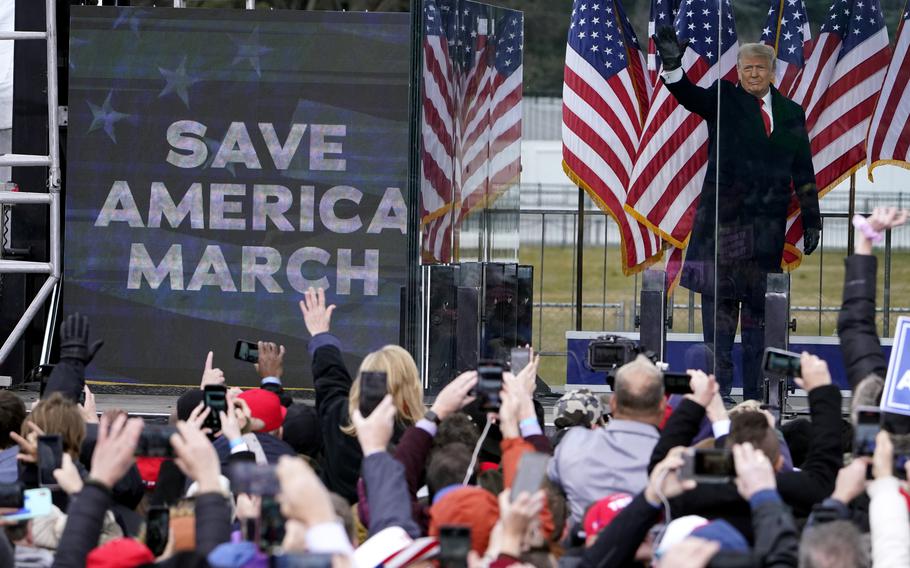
[
  {"x": 177, "y": 82},
  {"x": 250, "y": 50},
  {"x": 105, "y": 117}
]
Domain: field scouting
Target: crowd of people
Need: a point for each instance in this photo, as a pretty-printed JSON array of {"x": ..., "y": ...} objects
[{"x": 286, "y": 483}]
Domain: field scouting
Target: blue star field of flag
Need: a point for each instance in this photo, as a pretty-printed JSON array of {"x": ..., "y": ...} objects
[
  {"x": 509, "y": 37},
  {"x": 790, "y": 42},
  {"x": 709, "y": 35},
  {"x": 855, "y": 21},
  {"x": 600, "y": 32}
]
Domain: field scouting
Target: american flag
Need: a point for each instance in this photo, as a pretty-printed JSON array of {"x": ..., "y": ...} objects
[
  {"x": 673, "y": 155},
  {"x": 437, "y": 172},
  {"x": 662, "y": 14},
  {"x": 889, "y": 132},
  {"x": 496, "y": 151},
  {"x": 481, "y": 134},
  {"x": 787, "y": 31},
  {"x": 839, "y": 87},
  {"x": 604, "y": 101}
]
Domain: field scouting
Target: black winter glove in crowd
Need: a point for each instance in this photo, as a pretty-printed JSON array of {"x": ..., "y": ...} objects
[
  {"x": 74, "y": 339},
  {"x": 668, "y": 48}
]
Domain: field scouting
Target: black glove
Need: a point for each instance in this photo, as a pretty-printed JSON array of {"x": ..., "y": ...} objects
[
  {"x": 74, "y": 339},
  {"x": 810, "y": 239},
  {"x": 668, "y": 48}
]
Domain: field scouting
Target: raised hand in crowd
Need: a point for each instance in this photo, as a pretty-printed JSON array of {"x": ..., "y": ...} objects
[
  {"x": 813, "y": 372},
  {"x": 303, "y": 497},
  {"x": 68, "y": 476},
  {"x": 528, "y": 375},
  {"x": 271, "y": 359},
  {"x": 870, "y": 229},
  {"x": 717, "y": 410},
  {"x": 515, "y": 518},
  {"x": 74, "y": 334},
  {"x": 703, "y": 386},
  {"x": 236, "y": 421},
  {"x": 883, "y": 458},
  {"x": 88, "y": 409},
  {"x": 664, "y": 480},
  {"x": 198, "y": 415},
  {"x": 316, "y": 315},
  {"x": 754, "y": 472},
  {"x": 851, "y": 481},
  {"x": 210, "y": 375},
  {"x": 196, "y": 456},
  {"x": 114, "y": 448},
  {"x": 28, "y": 445},
  {"x": 375, "y": 431},
  {"x": 455, "y": 395},
  {"x": 517, "y": 405}
]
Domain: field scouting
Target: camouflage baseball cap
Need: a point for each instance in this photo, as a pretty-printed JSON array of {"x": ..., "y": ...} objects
[{"x": 579, "y": 407}]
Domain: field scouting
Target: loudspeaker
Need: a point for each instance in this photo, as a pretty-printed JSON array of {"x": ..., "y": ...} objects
[
  {"x": 467, "y": 329},
  {"x": 524, "y": 305},
  {"x": 441, "y": 319}
]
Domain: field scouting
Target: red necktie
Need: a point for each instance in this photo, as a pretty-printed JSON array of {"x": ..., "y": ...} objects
[{"x": 765, "y": 117}]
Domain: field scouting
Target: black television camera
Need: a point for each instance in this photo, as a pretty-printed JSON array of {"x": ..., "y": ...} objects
[{"x": 611, "y": 352}]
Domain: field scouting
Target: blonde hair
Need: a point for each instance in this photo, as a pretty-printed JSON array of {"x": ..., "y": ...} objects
[
  {"x": 59, "y": 415},
  {"x": 403, "y": 382}
]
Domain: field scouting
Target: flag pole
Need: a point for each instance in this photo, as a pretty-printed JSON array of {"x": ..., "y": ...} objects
[
  {"x": 579, "y": 257},
  {"x": 851, "y": 211}
]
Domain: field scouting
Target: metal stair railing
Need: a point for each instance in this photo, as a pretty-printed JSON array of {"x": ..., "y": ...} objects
[{"x": 51, "y": 198}]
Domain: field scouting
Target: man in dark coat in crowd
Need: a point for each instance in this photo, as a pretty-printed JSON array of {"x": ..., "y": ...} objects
[{"x": 759, "y": 154}]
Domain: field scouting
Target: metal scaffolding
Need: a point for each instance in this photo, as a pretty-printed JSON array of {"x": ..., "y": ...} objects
[{"x": 51, "y": 198}]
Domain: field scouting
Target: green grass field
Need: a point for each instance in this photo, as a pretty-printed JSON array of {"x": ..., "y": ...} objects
[{"x": 818, "y": 282}]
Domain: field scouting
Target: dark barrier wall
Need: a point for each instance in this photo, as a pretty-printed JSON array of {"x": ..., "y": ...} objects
[{"x": 220, "y": 162}]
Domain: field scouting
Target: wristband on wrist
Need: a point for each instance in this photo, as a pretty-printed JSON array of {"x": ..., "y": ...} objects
[
  {"x": 235, "y": 442},
  {"x": 530, "y": 421},
  {"x": 95, "y": 483},
  {"x": 862, "y": 224}
]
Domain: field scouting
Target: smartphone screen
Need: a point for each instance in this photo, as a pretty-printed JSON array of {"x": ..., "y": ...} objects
[
  {"x": 254, "y": 479},
  {"x": 12, "y": 495},
  {"x": 271, "y": 525},
  {"x": 247, "y": 351},
  {"x": 519, "y": 359},
  {"x": 868, "y": 425},
  {"x": 454, "y": 545},
  {"x": 489, "y": 385},
  {"x": 677, "y": 383},
  {"x": 531, "y": 470},
  {"x": 36, "y": 503},
  {"x": 714, "y": 463},
  {"x": 373, "y": 388},
  {"x": 780, "y": 362},
  {"x": 157, "y": 525},
  {"x": 215, "y": 397},
  {"x": 50, "y": 457},
  {"x": 155, "y": 442}
]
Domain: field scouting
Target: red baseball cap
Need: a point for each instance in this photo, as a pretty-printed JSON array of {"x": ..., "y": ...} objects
[
  {"x": 604, "y": 511},
  {"x": 266, "y": 406},
  {"x": 119, "y": 553}
]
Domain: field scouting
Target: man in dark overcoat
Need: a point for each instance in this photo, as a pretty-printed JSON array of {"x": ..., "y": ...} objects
[{"x": 759, "y": 155}]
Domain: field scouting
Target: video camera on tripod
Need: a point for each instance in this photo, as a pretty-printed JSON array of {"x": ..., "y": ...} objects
[{"x": 610, "y": 352}]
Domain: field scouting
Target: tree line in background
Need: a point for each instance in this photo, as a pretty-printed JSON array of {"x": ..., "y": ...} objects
[{"x": 547, "y": 22}]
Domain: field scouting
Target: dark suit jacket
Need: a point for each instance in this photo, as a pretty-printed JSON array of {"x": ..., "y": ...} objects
[{"x": 748, "y": 187}]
